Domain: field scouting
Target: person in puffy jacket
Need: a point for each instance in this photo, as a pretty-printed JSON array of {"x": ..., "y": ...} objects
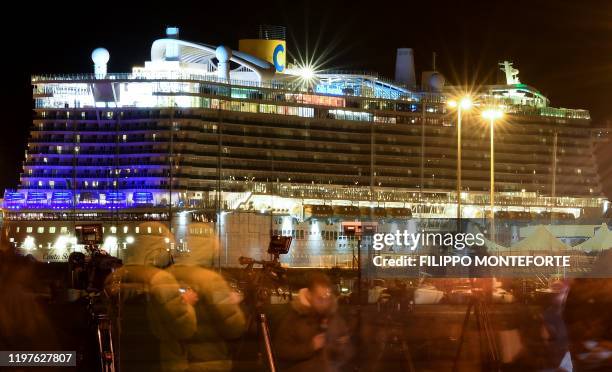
[
  {"x": 147, "y": 291},
  {"x": 312, "y": 336},
  {"x": 170, "y": 318},
  {"x": 217, "y": 306},
  {"x": 218, "y": 314}
]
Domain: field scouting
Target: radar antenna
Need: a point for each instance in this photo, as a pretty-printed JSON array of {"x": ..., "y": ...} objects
[{"x": 511, "y": 72}]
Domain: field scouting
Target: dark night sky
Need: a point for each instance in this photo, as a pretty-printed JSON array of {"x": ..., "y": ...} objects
[{"x": 563, "y": 48}]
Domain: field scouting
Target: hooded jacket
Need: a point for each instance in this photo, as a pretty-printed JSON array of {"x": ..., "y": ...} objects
[
  {"x": 219, "y": 318},
  {"x": 293, "y": 340},
  {"x": 168, "y": 317}
]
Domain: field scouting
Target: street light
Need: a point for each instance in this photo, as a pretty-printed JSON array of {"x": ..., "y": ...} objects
[
  {"x": 465, "y": 103},
  {"x": 492, "y": 114}
]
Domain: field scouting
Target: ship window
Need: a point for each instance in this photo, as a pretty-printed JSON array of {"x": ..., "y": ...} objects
[
  {"x": 17, "y": 230},
  {"x": 64, "y": 230},
  {"x": 149, "y": 230},
  {"x": 52, "y": 230},
  {"x": 40, "y": 230},
  {"x": 29, "y": 229},
  {"x": 113, "y": 229},
  {"x": 137, "y": 230},
  {"x": 125, "y": 229}
]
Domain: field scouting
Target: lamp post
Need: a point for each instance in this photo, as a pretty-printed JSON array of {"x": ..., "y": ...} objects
[
  {"x": 492, "y": 114},
  {"x": 464, "y": 103}
]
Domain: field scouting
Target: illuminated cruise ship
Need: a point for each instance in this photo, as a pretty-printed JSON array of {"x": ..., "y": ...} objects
[{"x": 239, "y": 144}]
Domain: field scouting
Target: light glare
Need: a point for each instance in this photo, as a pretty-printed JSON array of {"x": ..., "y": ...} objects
[
  {"x": 306, "y": 72},
  {"x": 466, "y": 103},
  {"x": 492, "y": 114}
]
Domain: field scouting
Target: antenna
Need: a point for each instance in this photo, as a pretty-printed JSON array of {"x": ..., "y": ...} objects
[{"x": 510, "y": 72}]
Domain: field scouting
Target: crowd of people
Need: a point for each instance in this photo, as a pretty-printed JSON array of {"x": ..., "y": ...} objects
[{"x": 174, "y": 314}]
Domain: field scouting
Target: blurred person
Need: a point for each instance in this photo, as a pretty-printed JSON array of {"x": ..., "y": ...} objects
[
  {"x": 312, "y": 337},
  {"x": 24, "y": 324},
  {"x": 218, "y": 313},
  {"x": 170, "y": 318},
  {"x": 142, "y": 284},
  {"x": 588, "y": 315}
]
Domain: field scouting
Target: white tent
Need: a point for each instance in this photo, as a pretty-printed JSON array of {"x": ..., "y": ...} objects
[
  {"x": 600, "y": 241},
  {"x": 540, "y": 240}
]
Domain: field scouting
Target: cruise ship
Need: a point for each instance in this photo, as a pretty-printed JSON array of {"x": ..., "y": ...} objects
[{"x": 238, "y": 145}]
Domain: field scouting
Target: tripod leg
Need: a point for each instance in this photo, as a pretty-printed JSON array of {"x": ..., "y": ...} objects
[
  {"x": 480, "y": 323},
  {"x": 265, "y": 331},
  {"x": 407, "y": 355},
  {"x": 489, "y": 334},
  {"x": 462, "y": 335}
]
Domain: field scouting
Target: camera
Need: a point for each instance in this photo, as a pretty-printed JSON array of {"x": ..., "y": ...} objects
[
  {"x": 88, "y": 234},
  {"x": 90, "y": 271},
  {"x": 279, "y": 245}
]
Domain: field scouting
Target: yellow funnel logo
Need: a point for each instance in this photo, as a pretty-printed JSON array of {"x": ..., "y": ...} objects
[{"x": 273, "y": 51}]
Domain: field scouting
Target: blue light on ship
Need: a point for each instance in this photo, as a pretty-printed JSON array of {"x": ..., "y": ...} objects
[
  {"x": 37, "y": 199},
  {"x": 89, "y": 200},
  {"x": 115, "y": 199},
  {"x": 14, "y": 200},
  {"x": 141, "y": 198},
  {"x": 61, "y": 199}
]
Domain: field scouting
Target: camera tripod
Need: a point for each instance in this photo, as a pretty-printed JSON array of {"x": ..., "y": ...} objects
[
  {"x": 394, "y": 341},
  {"x": 489, "y": 351},
  {"x": 257, "y": 295},
  {"x": 99, "y": 303}
]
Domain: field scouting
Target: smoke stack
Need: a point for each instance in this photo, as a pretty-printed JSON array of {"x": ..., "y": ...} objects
[{"x": 404, "y": 67}]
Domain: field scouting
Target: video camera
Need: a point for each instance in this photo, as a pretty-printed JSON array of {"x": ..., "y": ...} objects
[
  {"x": 279, "y": 245},
  {"x": 260, "y": 284},
  {"x": 89, "y": 272}
]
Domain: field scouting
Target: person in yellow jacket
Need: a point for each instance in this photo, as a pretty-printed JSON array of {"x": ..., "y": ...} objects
[
  {"x": 217, "y": 306},
  {"x": 170, "y": 314},
  {"x": 170, "y": 317}
]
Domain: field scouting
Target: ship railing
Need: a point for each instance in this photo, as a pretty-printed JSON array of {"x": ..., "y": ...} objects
[
  {"x": 511, "y": 106},
  {"x": 164, "y": 76},
  {"x": 412, "y": 196}
]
